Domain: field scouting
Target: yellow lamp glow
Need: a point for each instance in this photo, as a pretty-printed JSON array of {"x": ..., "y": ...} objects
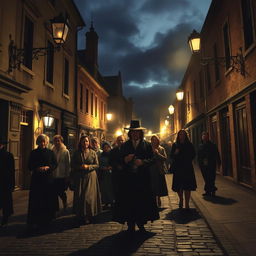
[
  {"x": 171, "y": 109},
  {"x": 180, "y": 95},
  {"x": 194, "y": 41}
]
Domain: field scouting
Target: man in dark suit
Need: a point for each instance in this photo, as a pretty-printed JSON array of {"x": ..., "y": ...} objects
[
  {"x": 208, "y": 159},
  {"x": 137, "y": 204},
  {"x": 7, "y": 182}
]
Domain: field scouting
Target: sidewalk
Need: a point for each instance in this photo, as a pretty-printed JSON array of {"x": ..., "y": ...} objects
[{"x": 231, "y": 215}]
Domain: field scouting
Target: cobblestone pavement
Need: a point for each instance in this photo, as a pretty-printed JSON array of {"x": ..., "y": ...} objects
[{"x": 178, "y": 232}]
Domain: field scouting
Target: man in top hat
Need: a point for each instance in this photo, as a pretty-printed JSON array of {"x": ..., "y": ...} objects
[
  {"x": 137, "y": 204},
  {"x": 7, "y": 182}
]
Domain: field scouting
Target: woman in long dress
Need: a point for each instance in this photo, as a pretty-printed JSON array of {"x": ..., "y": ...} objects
[
  {"x": 42, "y": 196},
  {"x": 182, "y": 155},
  {"x": 158, "y": 170},
  {"x": 87, "y": 198}
]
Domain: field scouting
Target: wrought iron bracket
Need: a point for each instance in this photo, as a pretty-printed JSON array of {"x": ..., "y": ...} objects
[
  {"x": 236, "y": 62},
  {"x": 16, "y": 55}
]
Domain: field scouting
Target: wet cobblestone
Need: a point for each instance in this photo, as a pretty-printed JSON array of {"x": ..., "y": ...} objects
[{"x": 177, "y": 233}]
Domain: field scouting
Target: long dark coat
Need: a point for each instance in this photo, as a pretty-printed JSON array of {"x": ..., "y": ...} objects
[
  {"x": 116, "y": 162},
  {"x": 42, "y": 196},
  {"x": 7, "y": 182},
  {"x": 208, "y": 156},
  {"x": 137, "y": 203},
  {"x": 183, "y": 176}
]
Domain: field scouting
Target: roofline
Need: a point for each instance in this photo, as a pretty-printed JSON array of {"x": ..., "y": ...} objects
[
  {"x": 95, "y": 82},
  {"x": 79, "y": 14}
]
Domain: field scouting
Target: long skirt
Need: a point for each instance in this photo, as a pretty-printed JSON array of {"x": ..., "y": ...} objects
[{"x": 87, "y": 197}]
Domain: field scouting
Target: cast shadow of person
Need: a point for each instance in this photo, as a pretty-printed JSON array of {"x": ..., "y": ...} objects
[
  {"x": 120, "y": 244},
  {"x": 183, "y": 216},
  {"x": 64, "y": 222},
  {"x": 220, "y": 200}
]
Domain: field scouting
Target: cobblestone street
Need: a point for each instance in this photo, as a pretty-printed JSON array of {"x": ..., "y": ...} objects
[{"x": 176, "y": 233}]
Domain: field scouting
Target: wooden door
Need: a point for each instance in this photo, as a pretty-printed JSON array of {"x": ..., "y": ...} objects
[
  {"x": 242, "y": 143},
  {"x": 226, "y": 144}
]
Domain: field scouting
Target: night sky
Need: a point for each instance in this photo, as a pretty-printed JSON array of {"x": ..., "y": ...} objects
[{"x": 147, "y": 41}]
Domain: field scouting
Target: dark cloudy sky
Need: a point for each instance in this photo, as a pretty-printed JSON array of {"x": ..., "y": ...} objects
[{"x": 147, "y": 41}]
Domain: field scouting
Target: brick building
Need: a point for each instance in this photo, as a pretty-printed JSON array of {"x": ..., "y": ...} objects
[{"x": 221, "y": 98}]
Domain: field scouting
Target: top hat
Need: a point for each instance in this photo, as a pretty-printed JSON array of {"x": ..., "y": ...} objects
[{"x": 135, "y": 125}]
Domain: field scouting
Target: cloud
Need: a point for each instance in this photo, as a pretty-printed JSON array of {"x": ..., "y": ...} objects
[{"x": 147, "y": 41}]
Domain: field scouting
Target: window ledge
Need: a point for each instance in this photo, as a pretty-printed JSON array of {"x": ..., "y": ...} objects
[
  {"x": 49, "y": 85},
  {"x": 65, "y": 96},
  {"x": 227, "y": 72},
  {"x": 249, "y": 50},
  {"x": 27, "y": 70}
]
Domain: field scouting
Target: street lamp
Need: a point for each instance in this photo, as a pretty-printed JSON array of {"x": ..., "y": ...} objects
[
  {"x": 171, "y": 109},
  {"x": 236, "y": 61},
  {"x": 48, "y": 120},
  {"x": 109, "y": 116},
  {"x": 60, "y": 29},
  {"x": 180, "y": 95}
]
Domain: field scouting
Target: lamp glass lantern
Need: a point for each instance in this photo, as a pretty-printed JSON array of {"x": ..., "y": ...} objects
[
  {"x": 48, "y": 120},
  {"x": 60, "y": 29},
  {"x": 109, "y": 116},
  {"x": 171, "y": 109},
  {"x": 194, "y": 41},
  {"x": 180, "y": 95}
]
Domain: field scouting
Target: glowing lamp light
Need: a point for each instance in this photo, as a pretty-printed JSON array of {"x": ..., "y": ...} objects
[
  {"x": 180, "y": 95},
  {"x": 171, "y": 109},
  {"x": 166, "y": 122},
  {"x": 149, "y": 132},
  {"x": 60, "y": 29},
  {"x": 48, "y": 120},
  {"x": 119, "y": 133},
  {"x": 109, "y": 116},
  {"x": 194, "y": 41}
]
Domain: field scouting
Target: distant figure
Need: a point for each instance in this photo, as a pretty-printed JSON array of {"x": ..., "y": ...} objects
[
  {"x": 182, "y": 155},
  {"x": 62, "y": 172},
  {"x": 87, "y": 198},
  {"x": 95, "y": 145},
  {"x": 158, "y": 170},
  {"x": 105, "y": 176},
  {"x": 7, "y": 182},
  {"x": 137, "y": 204},
  {"x": 115, "y": 161},
  {"x": 208, "y": 158},
  {"x": 42, "y": 196}
]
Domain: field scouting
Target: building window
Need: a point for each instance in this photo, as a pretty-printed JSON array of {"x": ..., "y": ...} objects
[
  {"x": 49, "y": 63},
  {"x": 28, "y": 42},
  {"x": 216, "y": 66},
  {"x": 87, "y": 100},
  {"x": 91, "y": 103},
  {"x": 195, "y": 91},
  {"x": 66, "y": 76},
  {"x": 81, "y": 97},
  {"x": 101, "y": 111},
  {"x": 226, "y": 45},
  {"x": 188, "y": 101},
  {"x": 201, "y": 89},
  {"x": 96, "y": 106},
  {"x": 208, "y": 76},
  {"x": 247, "y": 22},
  {"x": 104, "y": 112}
]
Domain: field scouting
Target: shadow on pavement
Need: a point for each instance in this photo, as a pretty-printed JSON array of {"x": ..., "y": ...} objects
[
  {"x": 122, "y": 243},
  {"x": 183, "y": 216},
  {"x": 220, "y": 200}
]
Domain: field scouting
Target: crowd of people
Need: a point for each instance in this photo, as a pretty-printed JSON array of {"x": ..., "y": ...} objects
[{"x": 127, "y": 177}]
